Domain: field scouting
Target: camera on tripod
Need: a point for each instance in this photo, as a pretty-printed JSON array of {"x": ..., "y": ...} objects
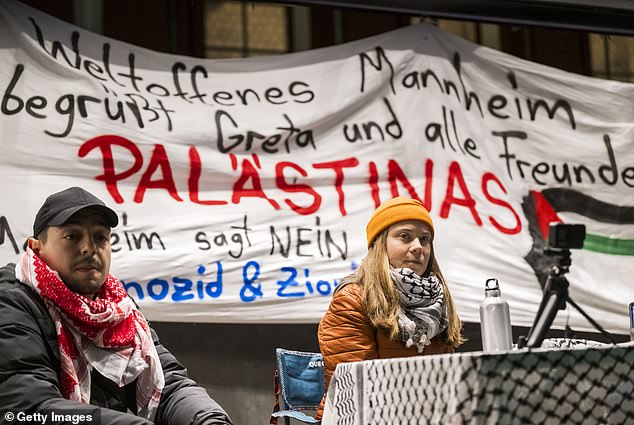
[
  {"x": 561, "y": 239},
  {"x": 565, "y": 236}
]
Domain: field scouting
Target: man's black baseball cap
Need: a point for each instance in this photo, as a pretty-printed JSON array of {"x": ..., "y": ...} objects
[{"x": 59, "y": 206}]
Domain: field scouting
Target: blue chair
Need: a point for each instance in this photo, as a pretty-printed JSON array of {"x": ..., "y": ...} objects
[{"x": 299, "y": 385}]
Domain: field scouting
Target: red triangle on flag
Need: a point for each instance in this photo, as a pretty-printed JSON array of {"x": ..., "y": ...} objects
[{"x": 544, "y": 212}]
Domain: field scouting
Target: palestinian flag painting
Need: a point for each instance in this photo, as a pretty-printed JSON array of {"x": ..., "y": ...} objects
[
  {"x": 606, "y": 225},
  {"x": 551, "y": 201}
]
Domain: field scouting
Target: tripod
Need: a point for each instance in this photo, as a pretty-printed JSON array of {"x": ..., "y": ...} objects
[{"x": 555, "y": 298}]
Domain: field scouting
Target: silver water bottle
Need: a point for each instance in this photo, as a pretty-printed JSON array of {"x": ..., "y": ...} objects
[{"x": 495, "y": 319}]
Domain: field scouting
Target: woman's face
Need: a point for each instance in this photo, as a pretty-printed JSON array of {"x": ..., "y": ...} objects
[{"x": 409, "y": 245}]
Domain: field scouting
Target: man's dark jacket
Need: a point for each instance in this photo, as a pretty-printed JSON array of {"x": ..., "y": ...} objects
[{"x": 29, "y": 371}]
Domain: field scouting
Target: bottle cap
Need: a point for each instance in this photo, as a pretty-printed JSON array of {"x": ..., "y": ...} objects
[{"x": 492, "y": 287}]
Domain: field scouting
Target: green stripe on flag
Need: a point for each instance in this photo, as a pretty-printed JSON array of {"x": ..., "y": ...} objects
[{"x": 609, "y": 245}]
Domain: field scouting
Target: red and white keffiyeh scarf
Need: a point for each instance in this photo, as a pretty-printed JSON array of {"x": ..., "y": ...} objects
[{"x": 108, "y": 333}]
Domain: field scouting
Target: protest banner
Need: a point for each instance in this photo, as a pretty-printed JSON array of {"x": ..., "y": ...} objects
[{"x": 243, "y": 186}]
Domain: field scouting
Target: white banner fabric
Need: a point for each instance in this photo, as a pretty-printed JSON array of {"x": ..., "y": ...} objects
[{"x": 243, "y": 186}]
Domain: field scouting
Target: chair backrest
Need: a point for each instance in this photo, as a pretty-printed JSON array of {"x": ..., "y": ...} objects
[{"x": 301, "y": 379}]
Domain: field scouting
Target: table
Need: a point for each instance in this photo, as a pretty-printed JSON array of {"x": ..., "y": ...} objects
[{"x": 538, "y": 386}]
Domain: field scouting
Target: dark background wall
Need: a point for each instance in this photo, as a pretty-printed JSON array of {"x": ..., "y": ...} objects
[{"x": 177, "y": 27}]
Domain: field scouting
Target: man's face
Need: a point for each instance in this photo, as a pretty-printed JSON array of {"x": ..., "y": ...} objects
[{"x": 79, "y": 250}]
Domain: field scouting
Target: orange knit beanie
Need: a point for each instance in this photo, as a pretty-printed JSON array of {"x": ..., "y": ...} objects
[{"x": 393, "y": 211}]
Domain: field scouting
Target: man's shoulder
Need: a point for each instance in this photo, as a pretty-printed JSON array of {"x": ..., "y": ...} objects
[
  {"x": 7, "y": 272},
  {"x": 23, "y": 313},
  {"x": 8, "y": 281},
  {"x": 14, "y": 295}
]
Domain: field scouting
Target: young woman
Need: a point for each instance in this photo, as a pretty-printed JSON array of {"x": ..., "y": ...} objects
[{"x": 397, "y": 303}]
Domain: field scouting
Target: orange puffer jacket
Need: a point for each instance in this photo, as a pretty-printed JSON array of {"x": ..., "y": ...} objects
[{"x": 346, "y": 335}]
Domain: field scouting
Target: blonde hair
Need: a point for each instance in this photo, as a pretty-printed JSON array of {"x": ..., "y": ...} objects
[{"x": 380, "y": 296}]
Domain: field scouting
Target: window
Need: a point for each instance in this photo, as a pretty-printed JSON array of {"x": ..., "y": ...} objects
[
  {"x": 239, "y": 29},
  {"x": 612, "y": 57}
]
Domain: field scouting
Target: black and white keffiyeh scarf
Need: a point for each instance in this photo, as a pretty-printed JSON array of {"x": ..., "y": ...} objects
[{"x": 423, "y": 314}]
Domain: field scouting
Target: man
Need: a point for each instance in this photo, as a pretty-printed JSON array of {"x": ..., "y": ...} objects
[{"x": 72, "y": 341}]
